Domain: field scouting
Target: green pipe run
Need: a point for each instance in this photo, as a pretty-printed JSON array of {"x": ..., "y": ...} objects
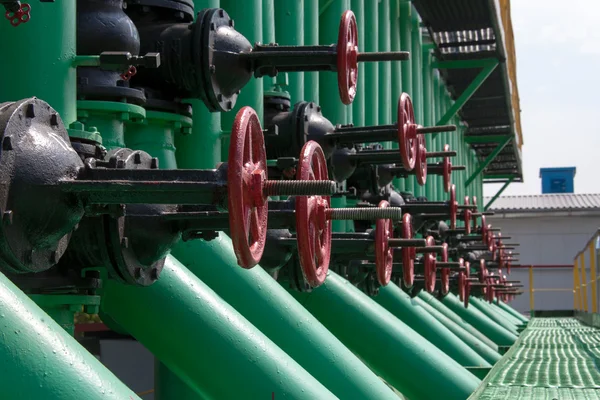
[
  {"x": 498, "y": 334},
  {"x": 512, "y": 311},
  {"x": 399, "y": 303},
  {"x": 473, "y": 342},
  {"x": 385, "y": 343},
  {"x": 40, "y": 360},
  {"x": 491, "y": 314},
  {"x": 439, "y": 306},
  {"x": 358, "y": 105},
  {"x": 407, "y": 71},
  {"x": 201, "y": 337},
  {"x": 495, "y": 305},
  {"x": 498, "y": 315}
]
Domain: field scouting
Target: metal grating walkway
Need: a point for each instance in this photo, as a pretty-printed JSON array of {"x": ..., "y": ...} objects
[{"x": 554, "y": 358}]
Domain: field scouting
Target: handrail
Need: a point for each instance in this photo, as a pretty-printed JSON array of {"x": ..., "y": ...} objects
[
  {"x": 580, "y": 279},
  {"x": 533, "y": 290}
]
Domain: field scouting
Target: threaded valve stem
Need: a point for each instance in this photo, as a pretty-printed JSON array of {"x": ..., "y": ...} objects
[
  {"x": 299, "y": 188},
  {"x": 364, "y": 213}
]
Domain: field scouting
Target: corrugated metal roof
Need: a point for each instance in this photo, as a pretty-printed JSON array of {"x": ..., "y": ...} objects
[{"x": 546, "y": 202}]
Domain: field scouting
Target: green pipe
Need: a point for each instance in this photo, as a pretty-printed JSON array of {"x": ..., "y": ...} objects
[
  {"x": 474, "y": 343},
  {"x": 268, "y": 36},
  {"x": 41, "y": 68},
  {"x": 289, "y": 30},
  {"x": 167, "y": 385},
  {"x": 372, "y": 69},
  {"x": 417, "y": 86},
  {"x": 201, "y": 337},
  {"x": 439, "y": 306},
  {"x": 497, "y": 314},
  {"x": 358, "y": 105},
  {"x": 508, "y": 316},
  {"x": 385, "y": 343},
  {"x": 257, "y": 296},
  {"x": 407, "y": 67},
  {"x": 430, "y": 140},
  {"x": 399, "y": 184},
  {"x": 512, "y": 311},
  {"x": 311, "y": 37},
  {"x": 40, "y": 360},
  {"x": 386, "y": 103},
  {"x": 397, "y": 302},
  {"x": 439, "y": 138},
  {"x": 498, "y": 334}
]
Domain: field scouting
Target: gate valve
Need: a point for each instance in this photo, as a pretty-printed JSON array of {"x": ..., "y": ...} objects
[
  {"x": 210, "y": 60},
  {"x": 464, "y": 284},
  {"x": 17, "y": 13}
]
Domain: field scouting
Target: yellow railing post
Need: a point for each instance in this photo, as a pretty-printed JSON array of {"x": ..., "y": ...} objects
[
  {"x": 576, "y": 283},
  {"x": 593, "y": 276},
  {"x": 531, "y": 290},
  {"x": 584, "y": 298}
]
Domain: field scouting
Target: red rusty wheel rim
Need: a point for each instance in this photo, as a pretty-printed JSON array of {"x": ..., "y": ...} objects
[
  {"x": 429, "y": 263},
  {"x": 453, "y": 207},
  {"x": 484, "y": 235},
  {"x": 313, "y": 229},
  {"x": 474, "y": 201},
  {"x": 408, "y": 253},
  {"x": 407, "y": 132},
  {"x": 482, "y": 271},
  {"x": 421, "y": 162},
  {"x": 445, "y": 272},
  {"x": 467, "y": 284},
  {"x": 447, "y": 170},
  {"x": 508, "y": 261},
  {"x": 491, "y": 239},
  {"x": 467, "y": 216},
  {"x": 384, "y": 254},
  {"x": 247, "y": 171},
  {"x": 347, "y": 57},
  {"x": 461, "y": 280}
]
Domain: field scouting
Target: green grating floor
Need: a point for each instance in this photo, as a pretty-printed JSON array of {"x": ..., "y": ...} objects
[{"x": 554, "y": 358}]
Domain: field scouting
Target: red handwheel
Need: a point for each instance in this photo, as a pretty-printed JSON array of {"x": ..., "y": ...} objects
[
  {"x": 484, "y": 234},
  {"x": 421, "y": 162},
  {"x": 445, "y": 272},
  {"x": 246, "y": 174},
  {"x": 467, "y": 284},
  {"x": 482, "y": 271},
  {"x": 384, "y": 254},
  {"x": 407, "y": 132},
  {"x": 429, "y": 262},
  {"x": 447, "y": 170},
  {"x": 313, "y": 229},
  {"x": 347, "y": 57},
  {"x": 453, "y": 207},
  {"x": 461, "y": 280},
  {"x": 474, "y": 201},
  {"x": 467, "y": 216},
  {"x": 408, "y": 253}
]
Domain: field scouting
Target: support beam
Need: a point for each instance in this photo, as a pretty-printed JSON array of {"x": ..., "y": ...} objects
[
  {"x": 488, "y": 65},
  {"x": 488, "y": 160},
  {"x": 484, "y": 138},
  {"x": 498, "y": 193}
]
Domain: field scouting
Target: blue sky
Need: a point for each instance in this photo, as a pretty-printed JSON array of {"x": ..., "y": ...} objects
[{"x": 558, "y": 69}]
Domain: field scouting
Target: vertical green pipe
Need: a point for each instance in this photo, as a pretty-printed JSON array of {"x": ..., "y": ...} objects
[
  {"x": 41, "y": 68},
  {"x": 40, "y": 360},
  {"x": 268, "y": 306},
  {"x": 407, "y": 67},
  {"x": 385, "y": 68},
  {"x": 396, "y": 74},
  {"x": 333, "y": 108},
  {"x": 201, "y": 337},
  {"x": 269, "y": 36},
  {"x": 371, "y": 69},
  {"x": 439, "y": 306},
  {"x": 311, "y": 37},
  {"x": 512, "y": 311},
  {"x": 417, "y": 88},
  {"x": 385, "y": 343},
  {"x": 494, "y": 316},
  {"x": 397, "y": 302},
  {"x": 439, "y": 138},
  {"x": 428, "y": 109},
  {"x": 358, "y": 105},
  {"x": 498, "y": 334},
  {"x": 473, "y": 342}
]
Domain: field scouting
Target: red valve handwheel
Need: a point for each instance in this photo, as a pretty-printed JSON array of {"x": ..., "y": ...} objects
[
  {"x": 467, "y": 216},
  {"x": 408, "y": 253},
  {"x": 467, "y": 284},
  {"x": 313, "y": 229},
  {"x": 484, "y": 235},
  {"x": 474, "y": 201},
  {"x": 453, "y": 207},
  {"x": 491, "y": 239},
  {"x": 421, "y": 162},
  {"x": 445, "y": 272},
  {"x": 245, "y": 177},
  {"x": 384, "y": 254},
  {"x": 461, "y": 280},
  {"x": 407, "y": 132},
  {"x": 19, "y": 17},
  {"x": 347, "y": 57},
  {"x": 447, "y": 169},
  {"x": 508, "y": 262},
  {"x": 429, "y": 262}
]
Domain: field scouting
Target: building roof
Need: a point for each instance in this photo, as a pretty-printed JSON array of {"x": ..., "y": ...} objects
[
  {"x": 466, "y": 34},
  {"x": 546, "y": 203}
]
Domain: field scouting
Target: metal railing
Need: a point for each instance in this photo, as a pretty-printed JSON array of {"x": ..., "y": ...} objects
[
  {"x": 533, "y": 290},
  {"x": 580, "y": 276}
]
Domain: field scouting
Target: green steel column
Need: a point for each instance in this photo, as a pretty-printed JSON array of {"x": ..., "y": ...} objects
[
  {"x": 333, "y": 108},
  {"x": 40, "y": 360},
  {"x": 359, "y": 103},
  {"x": 494, "y": 315},
  {"x": 38, "y": 58},
  {"x": 385, "y": 343},
  {"x": 512, "y": 311},
  {"x": 498, "y": 334},
  {"x": 396, "y": 74},
  {"x": 417, "y": 86},
  {"x": 397, "y": 302},
  {"x": 201, "y": 337},
  {"x": 386, "y": 104},
  {"x": 268, "y": 36},
  {"x": 439, "y": 138},
  {"x": 473, "y": 342},
  {"x": 428, "y": 119},
  {"x": 371, "y": 77},
  {"x": 311, "y": 37},
  {"x": 407, "y": 67},
  {"x": 268, "y": 306},
  {"x": 289, "y": 30},
  {"x": 439, "y": 306}
]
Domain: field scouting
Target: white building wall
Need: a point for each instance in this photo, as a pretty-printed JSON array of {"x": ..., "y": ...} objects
[{"x": 547, "y": 240}]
